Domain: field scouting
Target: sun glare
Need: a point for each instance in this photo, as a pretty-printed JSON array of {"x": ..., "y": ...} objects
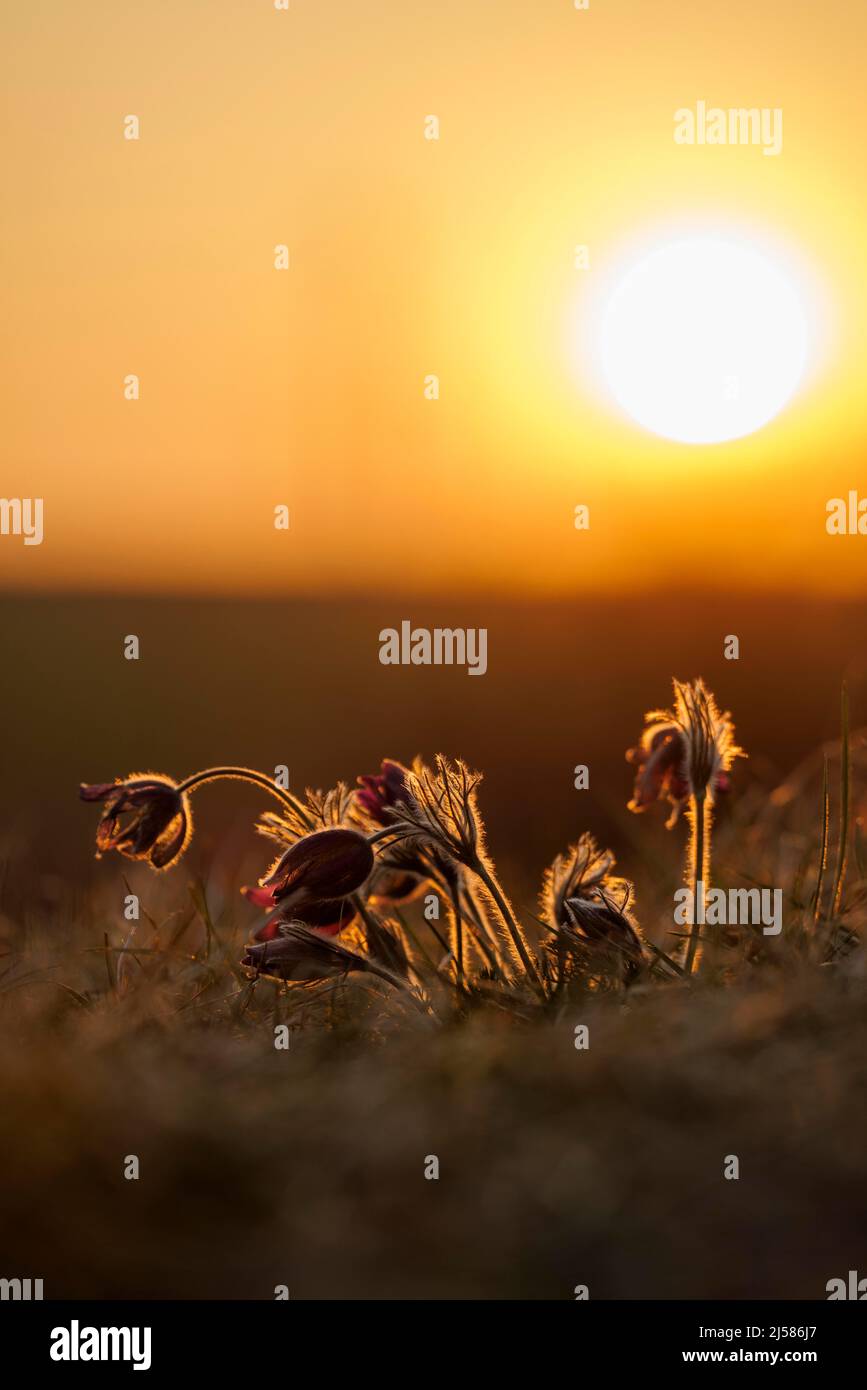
[{"x": 703, "y": 340}]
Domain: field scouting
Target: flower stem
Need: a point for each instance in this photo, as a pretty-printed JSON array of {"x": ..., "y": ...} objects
[
  {"x": 371, "y": 927},
  {"x": 239, "y": 774},
  {"x": 699, "y": 857},
  {"x": 457, "y": 918},
  {"x": 489, "y": 880},
  {"x": 484, "y": 933},
  {"x": 394, "y": 830}
]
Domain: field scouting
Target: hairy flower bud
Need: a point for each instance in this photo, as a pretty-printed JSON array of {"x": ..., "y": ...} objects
[{"x": 320, "y": 868}]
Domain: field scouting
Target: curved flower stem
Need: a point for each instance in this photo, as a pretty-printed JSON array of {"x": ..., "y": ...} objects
[
  {"x": 384, "y": 833},
  {"x": 490, "y": 881},
  {"x": 239, "y": 774},
  {"x": 699, "y": 857}
]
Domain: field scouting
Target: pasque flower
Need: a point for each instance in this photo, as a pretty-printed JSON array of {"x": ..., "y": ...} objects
[
  {"x": 606, "y": 927},
  {"x": 403, "y": 867},
  {"x": 588, "y": 909},
  {"x": 299, "y": 953},
  {"x": 438, "y": 814},
  {"x": 146, "y": 816},
  {"x": 320, "y": 868},
  {"x": 684, "y": 756},
  {"x": 684, "y": 752},
  {"x": 296, "y": 952},
  {"x": 582, "y": 872}
]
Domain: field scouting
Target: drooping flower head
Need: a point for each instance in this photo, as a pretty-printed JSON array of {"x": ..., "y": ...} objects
[
  {"x": 686, "y": 751},
  {"x": 305, "y": 883},
  {"x": 298, "y": 953},
  {"x": 320, "y": 868},
  {"x": 146, "y": 816}
]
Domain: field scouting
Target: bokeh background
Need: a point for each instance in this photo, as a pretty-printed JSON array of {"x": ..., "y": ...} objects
[
  {"x": 299, "y": 683},
  {"x": 305, "y": 388},
  {"x": 408, "y": 257}
]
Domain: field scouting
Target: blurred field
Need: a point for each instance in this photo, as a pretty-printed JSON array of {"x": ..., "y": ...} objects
[
  {"x": 299, "y": 683},
  {"x": 305, "y": 1167}
]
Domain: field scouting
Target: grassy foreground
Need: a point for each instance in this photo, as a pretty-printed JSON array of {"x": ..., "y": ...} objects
[{"x": 305, "y": 1167}]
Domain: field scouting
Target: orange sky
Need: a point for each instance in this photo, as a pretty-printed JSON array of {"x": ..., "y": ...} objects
[{"x": 408, "y": 257}]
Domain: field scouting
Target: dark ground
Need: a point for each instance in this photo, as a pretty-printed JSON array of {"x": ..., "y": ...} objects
[{"x": 557, "y": 1167}]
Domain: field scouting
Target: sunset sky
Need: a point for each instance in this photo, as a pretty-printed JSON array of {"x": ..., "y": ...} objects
[{"x": 410, "y": 257}]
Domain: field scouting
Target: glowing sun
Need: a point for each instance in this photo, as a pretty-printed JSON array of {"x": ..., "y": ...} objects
[{"x": 703, "y": 340}]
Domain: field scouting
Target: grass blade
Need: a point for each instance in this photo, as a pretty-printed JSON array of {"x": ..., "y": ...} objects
[
  {"x": 843, "y": 846},
  {"x": 823, "y": 848}
]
